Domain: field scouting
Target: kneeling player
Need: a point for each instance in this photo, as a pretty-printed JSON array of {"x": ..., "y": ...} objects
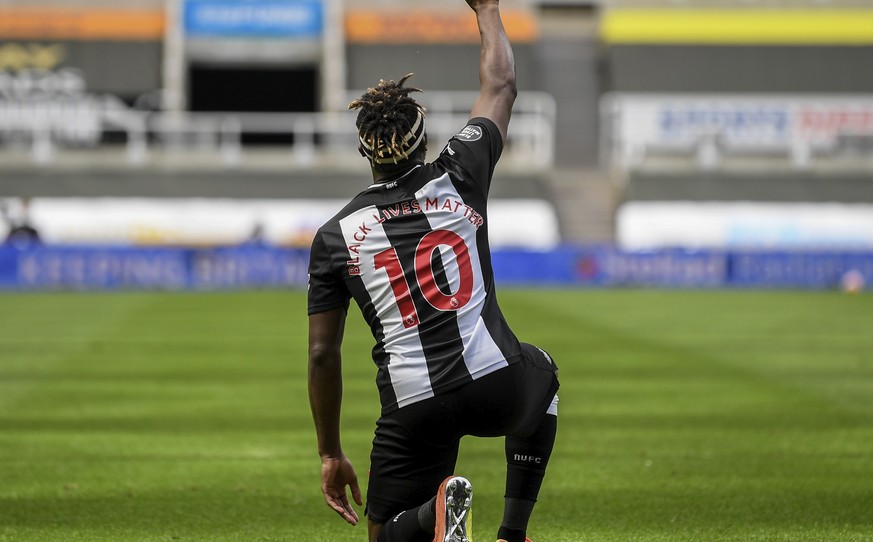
[{"x": 412, "y": 251}]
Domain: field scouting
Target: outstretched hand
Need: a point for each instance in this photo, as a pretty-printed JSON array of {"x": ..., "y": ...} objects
[{"x": 336, "y": 474}]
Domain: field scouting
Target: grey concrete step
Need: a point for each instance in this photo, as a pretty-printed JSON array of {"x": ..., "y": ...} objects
[{"x": 585, "y": 200}]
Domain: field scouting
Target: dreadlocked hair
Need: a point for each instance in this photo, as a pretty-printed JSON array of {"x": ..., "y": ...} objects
[{"x": 387, "y": 121}]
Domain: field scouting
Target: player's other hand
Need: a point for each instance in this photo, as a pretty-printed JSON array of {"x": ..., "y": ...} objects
[
  {"x": 336, "y": 474},
  {"x": 476, "y": 4}
]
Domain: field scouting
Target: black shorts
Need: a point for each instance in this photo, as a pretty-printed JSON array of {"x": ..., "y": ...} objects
[{"x": 416, "y": 447}]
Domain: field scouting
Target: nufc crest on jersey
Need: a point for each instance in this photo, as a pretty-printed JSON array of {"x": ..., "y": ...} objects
[{"x": 413, "y": 253}]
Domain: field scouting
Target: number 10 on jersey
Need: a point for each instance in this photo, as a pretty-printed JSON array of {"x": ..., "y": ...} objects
[{"x": 425, "y": 275}]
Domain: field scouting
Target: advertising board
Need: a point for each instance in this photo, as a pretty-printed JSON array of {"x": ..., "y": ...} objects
[
  {"x": 109, "y": 268},
  {"x": 433, "y": 26},
  {"x": 81, "y": 23},
  {"x": 253, "y": 18},
  {"x": 529, "y": 223},
  {"x": 745, "y": 226},
  {"x": 252, "y": 266},
  {"x": 641, "y": 122}
]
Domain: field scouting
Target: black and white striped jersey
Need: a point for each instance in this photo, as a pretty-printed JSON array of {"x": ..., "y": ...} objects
[{"x": 413, "y": 252}]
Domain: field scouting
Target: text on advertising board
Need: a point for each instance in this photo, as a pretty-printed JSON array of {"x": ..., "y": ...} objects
[{"x": 268, "y": 18}]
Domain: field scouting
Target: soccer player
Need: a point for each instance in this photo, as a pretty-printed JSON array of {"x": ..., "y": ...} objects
[{"x": 412, "y": 251}]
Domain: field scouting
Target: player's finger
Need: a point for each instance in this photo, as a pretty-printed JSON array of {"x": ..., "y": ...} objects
[
  {"x": 331, "y": 502},
  {"x": 348, "y": 508},
  {"x": 337, "y": 507},
  {"x": 356, "y": 492}
]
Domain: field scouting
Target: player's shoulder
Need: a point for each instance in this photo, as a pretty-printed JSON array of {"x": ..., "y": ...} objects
[
  {"x": 479, "y": 137},
  {"x": 472, "y": 153},
  {"x": 478, "y": 132},
  {"x": 478, "y": 128},
  {"x": 330, "y": 231}
]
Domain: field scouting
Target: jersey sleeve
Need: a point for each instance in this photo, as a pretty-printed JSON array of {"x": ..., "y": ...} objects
[
  {"x": 473, "y": 152},
  {"x": 326, "y": 289}
]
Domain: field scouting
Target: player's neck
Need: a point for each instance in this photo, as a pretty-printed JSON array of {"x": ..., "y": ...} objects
[{"x": 393, "y": 174}]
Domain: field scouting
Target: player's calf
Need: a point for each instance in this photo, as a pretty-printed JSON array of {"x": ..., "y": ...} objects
[{"x": 526, "y": 462}]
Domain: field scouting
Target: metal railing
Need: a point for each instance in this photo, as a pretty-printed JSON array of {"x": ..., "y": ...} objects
[{"x": 49, "y": 125}]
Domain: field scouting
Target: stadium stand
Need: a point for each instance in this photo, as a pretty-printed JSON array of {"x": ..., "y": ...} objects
[
  {"x": 95, "y": 137},
  {"x": 606, "y": 117},
  {"x": 732, "y": 106}
]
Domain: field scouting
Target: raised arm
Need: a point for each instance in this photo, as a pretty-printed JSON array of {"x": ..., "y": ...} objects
[
  {"x": 325, "y": 398},
  {"x": 496, "y": 67}
]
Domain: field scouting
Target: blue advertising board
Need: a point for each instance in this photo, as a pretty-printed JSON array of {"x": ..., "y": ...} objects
[
  {"x": 731, "y": 121},
  {"x": 608, "y": 266},
  {"x": 131, "y": 268},
  {"x": 125, "y": 268},
  {"x": 254, "y": 18},
  {"x": 798, "y": 269}
]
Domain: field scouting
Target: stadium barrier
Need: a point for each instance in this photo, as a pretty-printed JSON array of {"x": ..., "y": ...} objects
[
  {"x": 151, "y": 268},
  {"x": 137, "y": 268},
  {"x": 798, "y": 128},
  {"x": 54, "y": 113}
]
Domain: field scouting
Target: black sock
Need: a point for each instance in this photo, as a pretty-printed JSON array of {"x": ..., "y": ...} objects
[
  {"x": 415, "y": 525},
  {"x": 427, "y": 515},
  {"x": 526, "y": 461},
  {"x": 516, "y": 513}
]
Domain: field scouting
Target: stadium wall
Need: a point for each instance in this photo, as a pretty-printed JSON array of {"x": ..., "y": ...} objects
[
  {"x": 436, "y": 66},
  {"x": 440, "y": 46},
  {"x": 773, "y": 186},
  {"x": 740, "y": 68}
]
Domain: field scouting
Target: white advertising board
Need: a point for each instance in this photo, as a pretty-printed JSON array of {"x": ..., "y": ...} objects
[
  {"x": 525, "y": 223},
  {"x": 752, "y": 226},
  {"x": 637, "y": 122}
]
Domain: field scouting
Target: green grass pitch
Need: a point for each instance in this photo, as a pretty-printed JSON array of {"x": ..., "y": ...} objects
[{"x": 684, "y": 416}]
